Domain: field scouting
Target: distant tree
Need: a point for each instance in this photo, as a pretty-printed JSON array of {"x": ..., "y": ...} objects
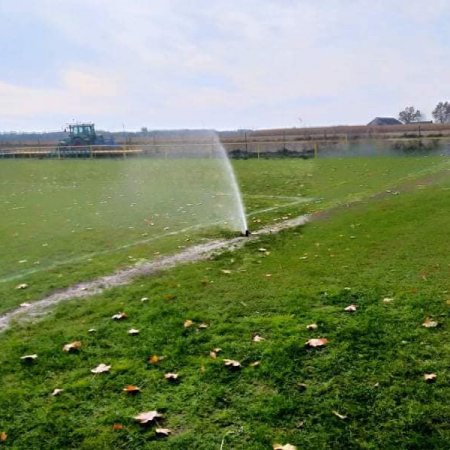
[
  {"x": 409, "y": 115},
  {"x": 144, "y": 131},
  {"x": 441, "y": 113}
]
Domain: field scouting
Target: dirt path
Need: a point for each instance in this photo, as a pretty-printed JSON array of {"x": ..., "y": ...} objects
[{"x": 125, "y": 276}]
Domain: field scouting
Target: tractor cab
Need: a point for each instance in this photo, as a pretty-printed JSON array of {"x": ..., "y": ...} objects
[{"x": 82, "y": 134}]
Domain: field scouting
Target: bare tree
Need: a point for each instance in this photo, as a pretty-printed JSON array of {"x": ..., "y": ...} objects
[
  {"x": 441, "y": 113},
  {"x": 409, "y": 115}
]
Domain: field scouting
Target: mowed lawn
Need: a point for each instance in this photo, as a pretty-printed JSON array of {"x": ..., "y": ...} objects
[
  {"x": 72, "y": 220},
  {"x": 365, "y": 388}
]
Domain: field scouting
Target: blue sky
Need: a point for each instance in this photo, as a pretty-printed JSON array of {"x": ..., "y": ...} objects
[{"x": 221, "y": 64}]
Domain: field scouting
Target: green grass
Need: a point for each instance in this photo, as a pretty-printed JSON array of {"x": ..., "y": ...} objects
[{"x": 371, "y": 371}]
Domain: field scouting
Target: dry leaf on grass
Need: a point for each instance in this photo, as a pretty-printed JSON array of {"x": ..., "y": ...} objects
[
  {"x": 56, "y": 392},
  {"x": 131, "y": 389},
  {"x": 188, "y": 323},
  {"x": 226, "y": 271},
  {"x": 341, "y": 416},
  {"x": 312, "y": 326},
  {"x": 101, "y": 368},
  {"x": 213, "y": 353},
  {"x": 203, "y": 326},
  {"x": 117, "y": 427},
  {"x": 316, "y": 342},
  {"x": 25, "y": 305},
  {"x": 388, "y": 300},
  {"x": 92, "y": 330},
  {"x": 255, "y": 363},
  {"x": 430, "y": 323},
  {"x": 147, "y": 417},
  {"x": 22, "y": 286},
  {"x": 163, "y": 432},
  {"x": 155, "y": 359},
  {"x": 3, "y": 436},
  {"x": 258, "y": 338},
  {"x": 28, "y": 358},
  {"x": 284, "y": 447},
  {"x": 133, "y": 331},
  {"x": 430, "y": 377},
  {"x": 232, "y": 364},
  {"x": 351, "y": 308},
  {"x": 171, "y": 377},
  {"x": 72, "y": 347},
  {"x": 119, "y": 316}
]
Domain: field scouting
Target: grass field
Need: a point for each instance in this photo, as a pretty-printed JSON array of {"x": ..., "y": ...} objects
[{"x": 370, "y": 372}]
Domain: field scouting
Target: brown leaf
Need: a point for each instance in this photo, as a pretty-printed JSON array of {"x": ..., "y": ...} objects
[
  {"x": 72, "y": 347},
  {"x": 119, "y": 316},
  {"x": 163, "y": 431},
  {"x": 317, "y": 342},
  {"x": 171, "y": 377},
  {"x": 3, "y": 436},
  {"x": 56, "y": 392},
  {"x": 351, "y": 308},
  {"x": 131, "y": 389},
  {"x": 155, "y": 359},
  {"x": 232, "y": 364},
  {"x": 312, "y": 326},
  {"x": 117, "y": 427},
  {"x": 341, "y": 416},
  {"x": 188, "y": 323},
  {"x": 101, "y": 368},
  {"x": 284, "y": 447},
  {"x": 430, "y": 377},
  {"x": 147, "y": 417},
  {"x": 430, "y": 323},
  {"x": 28, "y": 358}
]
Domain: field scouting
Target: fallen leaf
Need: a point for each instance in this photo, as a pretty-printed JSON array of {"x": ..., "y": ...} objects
[
  {"x": 262, "y": 250},
  {"x": 133, "y": 331},
  {"x": 117, "y": 427},
  {"x": 430, "y": 377},
  {"x": 312, "y": 326},
  {"x": 430, "y": 323},
  {"x": 203, "y": 326},
  {"x": 163, "y": 431},
  {"x": 232, "y": 364},
  {"x": 101, "y": 368},
  {"x": 341, "y": 416},
  {"x": 302, "y": 386},
  {"x": 25, "y": 305},
  {"x": 255, "y": 363},
  {"x": 131, "y": 389},
  {"x": 147, "y": 417},
  {"x": 268, "y": 275},
  {"x": 188, "y": 323},
  {"x": 119, "y": 316},
  {"x": 22, "y": 286},
  {"x": 155, "y": 359},
  {"x": 171, "y": 376},
  {"x": 144, "y": 299},
  {"x": 317, "y": 342},
  {"x": 351, "y": 308},
  {"x": 3, "y": 436},
  {"x": 56, "y": 392},
  {"x": 28, "y": 358},
  {"x": 92, "y": 330},
  {"x": 213, "y": 353},
  {"x": 258, "y": 338},
  {"x": 388, "y": 300},
  {"x": 226, "y": 271},
  {"x": 284, "y": 447},
  {"x": 72, "y": 347}
]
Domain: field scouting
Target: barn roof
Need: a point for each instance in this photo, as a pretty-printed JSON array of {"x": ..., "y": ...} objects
[{"x": 385, "y": 121}]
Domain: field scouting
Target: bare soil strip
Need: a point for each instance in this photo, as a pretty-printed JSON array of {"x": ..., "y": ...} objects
[{"x": 125, "y": 276}]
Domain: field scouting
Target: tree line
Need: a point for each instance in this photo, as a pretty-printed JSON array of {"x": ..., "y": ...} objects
[{"x": 441, "y": 114}]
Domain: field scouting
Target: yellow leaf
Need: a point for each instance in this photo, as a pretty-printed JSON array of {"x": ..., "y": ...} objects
[
  {"x": 3, "y": 436},
  {"x": 131, "y": 389}
]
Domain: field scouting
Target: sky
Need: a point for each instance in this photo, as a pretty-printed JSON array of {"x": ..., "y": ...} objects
[{"x": 222, "y": 64}]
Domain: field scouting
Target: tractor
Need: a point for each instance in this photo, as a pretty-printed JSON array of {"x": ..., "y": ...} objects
[{"x": 81, "y": 137}]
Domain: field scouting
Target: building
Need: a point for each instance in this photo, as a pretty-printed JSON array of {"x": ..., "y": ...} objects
[{"x": 384, "y": 121}]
